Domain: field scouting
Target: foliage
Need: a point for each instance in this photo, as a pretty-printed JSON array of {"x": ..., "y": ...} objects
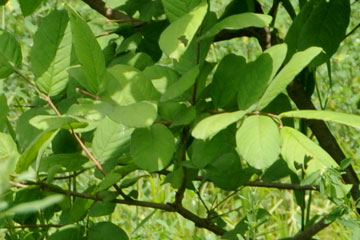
[{"x": 138, "y": 113}]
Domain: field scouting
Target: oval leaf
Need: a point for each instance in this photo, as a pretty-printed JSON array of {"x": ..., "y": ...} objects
[
  {"x": 210, "y": 126},
  {"x": 181, "y": 85},
  {"x": 51, "y": 53},
  {"x": 296, "y": 146},
  {"x": 48, "y": 122},
  {"x": 110, "y": 140},
  {"x": 152, "y": 149},
  {"x": 10, "y": 54},
  {"x": 343, "y": 118},
  {"x": 239, "y": 21},
  {"x": 88, "y": 52},
  {"x": 258, "y": 141},
  {"x": 287, "y": 74},
  {"x": 137, "y": 115},
  {"x": 176, "y": 38}
]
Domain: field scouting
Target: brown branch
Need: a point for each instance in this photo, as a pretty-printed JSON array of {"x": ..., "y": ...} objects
[
  {"x": 314, "y": 229},
  {"x": 285, "y": 186},
  {"x": 277, "y": 185},
  {"x": 112, "y": 14},
  {"x": 199, "y": 222},
  {"x": 84, "y": 148},
  {"x": 325, "y": 138},
  {"x": 35, "y": 226},
  {"x": 297, "y": 93}
]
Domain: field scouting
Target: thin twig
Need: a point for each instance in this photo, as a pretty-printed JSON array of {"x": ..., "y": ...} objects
[
  {"x": 199, "y": 222},
  {"x": 87, "y": 94},
  {"x": 112, "y": 14},
  {"x": 34, "y": 226}
]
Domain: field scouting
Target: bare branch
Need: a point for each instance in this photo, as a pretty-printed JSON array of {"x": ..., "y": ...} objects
[
  {"x": 112, "y": 14},
  {"x": 199, "y": 222},
  {"x": 314, "y": 229}
]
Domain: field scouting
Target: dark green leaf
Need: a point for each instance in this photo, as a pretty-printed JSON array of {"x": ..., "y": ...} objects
[
  {"x": 88, "y": 52},
  {"x": 320, "y": 23},
  {"x": 28, "y": 7},
  {"x": 152, "y": 149},
  {"x": 106, "y": 231},
  {"x": 137, "y": 115},
  {"x": 102, "y": 209},
  {"x": 110, "y": 140},
  {"x": 10, "y": 54},
  {"x": 51, "y": 52}
]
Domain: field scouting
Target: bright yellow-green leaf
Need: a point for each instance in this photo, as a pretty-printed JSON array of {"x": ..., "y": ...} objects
[{"x": 210, "y": 126}]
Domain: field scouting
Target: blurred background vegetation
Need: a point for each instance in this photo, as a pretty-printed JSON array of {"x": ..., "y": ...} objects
[{"x": 339, "y": 89}]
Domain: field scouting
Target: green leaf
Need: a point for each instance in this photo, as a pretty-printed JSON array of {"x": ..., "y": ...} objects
[
  {"x": 161, "y": 77},
  {"x": 295, "y": 146},
  {"x": 287, "y": 74},
  {"x": 139, "y": 60},
  {"x": 51, "y": 53},
  {"x": 137, "y": 115},
  {"x": 53, "y": 122},
  {"x": 4, "y": 112},
  {"x": 128, "y": 85},
  {"x": 106, "y": 231},
  {"x": 321, "y": 23},
  {"x": 8, "y": 157},
  {"x": 88, "y": 53},
  {"x": 10, "y": 54},
  {"x": 110, "y": 140},
  {"x": 30, "y": 154},
  {"x": 228, "y": 165},
  {"x": 28, "y": 7},
  {"x": 35, "y": 206},
  {"x": 152, "y": 149},
  {"x": 227, "y": 77},
  {"x": 210, "y": 126},
  {"x": 254, "y": 82},
  {"x": 71, "y": 232},
  {"x": 258, "y": 141},
  {"x": 351, "y": 120},
  {"x": 175, "y": 39},
  {"x": 181, "y": 85},
  {"x": 102, "y": 209},
  {"x": 68, "y": 161},
  {"x": 25, "y": 132},
  {"x": 3, "y": 2},
  {"x": 175, "y": 9},
  {"x": 202, "y": 153},
  {"x": 239, "y": 21},
  {"x": 277, "y": 54}
]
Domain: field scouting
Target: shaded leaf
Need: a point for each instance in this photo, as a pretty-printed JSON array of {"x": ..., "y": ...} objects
[
  {"x": 88, "y": 52},
  {"x": 321, "y": 23},
  {"x": 239, "y": 21},
  {"x": 175, "y": 9},
  {"x": 10, "y": 54},
  {"x": 53, "y": 122},
  {"x": 180, "y": 86},
  {"x": 51, "y": 53},
  {"x": 110, "y": 140},
  {"x": 113, "y": 232},
  {"x": 140, "y": 114},
  {"x": 28, "y": 7},
  {"x": 152, "y": 149}
]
